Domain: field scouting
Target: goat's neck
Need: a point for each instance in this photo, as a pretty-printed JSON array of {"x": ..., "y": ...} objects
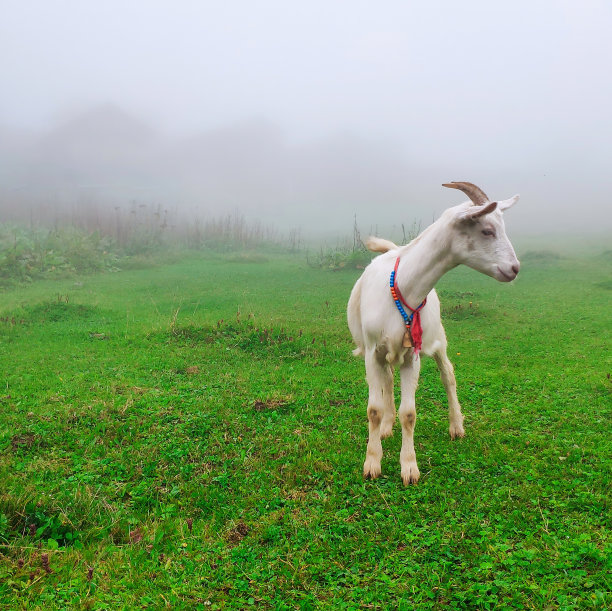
[{"x": 424, "y": 261}]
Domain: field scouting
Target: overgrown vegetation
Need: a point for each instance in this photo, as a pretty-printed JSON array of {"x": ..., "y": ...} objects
[
  {"x": 141, "y": 239},
  {"x": 351, "y": 254},
  {"x": 340, "y": 257},
  {"x": 193, "y": 435},
  {"x": 29, "y": 254}
]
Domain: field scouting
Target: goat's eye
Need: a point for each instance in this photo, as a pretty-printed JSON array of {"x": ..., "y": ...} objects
[{"x": 488, "y": 232}]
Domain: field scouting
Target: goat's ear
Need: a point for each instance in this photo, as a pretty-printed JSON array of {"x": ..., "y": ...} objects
[
  {"x": 508, "y": 203},
  {"x": 475, "y": 212}
]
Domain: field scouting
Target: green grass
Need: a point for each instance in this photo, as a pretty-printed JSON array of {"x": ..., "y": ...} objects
[{"x": 193, "y": 436}]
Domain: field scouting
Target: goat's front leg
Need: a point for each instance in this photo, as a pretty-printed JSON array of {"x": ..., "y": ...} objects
[
  {"x": 447, "y": 373},
  {"x": 407, "y": 415},
  {"x": 388, "y": 419},
  {"x": 380, "y": 402}
]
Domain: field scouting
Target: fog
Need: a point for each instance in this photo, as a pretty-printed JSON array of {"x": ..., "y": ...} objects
[{"x": 307, "y": 114}]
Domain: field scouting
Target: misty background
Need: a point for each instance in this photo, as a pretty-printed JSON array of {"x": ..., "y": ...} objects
[{"x": 306, "y": 114}]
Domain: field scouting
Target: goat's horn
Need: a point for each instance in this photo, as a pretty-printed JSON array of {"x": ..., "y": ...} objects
[{"x": 476, "y": 194}]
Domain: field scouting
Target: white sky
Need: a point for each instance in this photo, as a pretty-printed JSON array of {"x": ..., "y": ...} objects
[{"x": 514, "y": 95}]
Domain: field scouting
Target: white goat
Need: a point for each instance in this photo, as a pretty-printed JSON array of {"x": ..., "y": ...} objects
[{"x": 471, "y": 233}]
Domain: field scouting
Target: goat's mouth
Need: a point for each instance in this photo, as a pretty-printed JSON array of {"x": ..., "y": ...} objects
[{"x": 503, "y": 276}]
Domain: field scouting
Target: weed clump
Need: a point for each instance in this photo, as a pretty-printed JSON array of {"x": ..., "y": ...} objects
[
  {"x": 270, "y": 404},
  {"x": 461, "y": 311},
  {"x": 42, "y": 525},
  {"x": 60, "y": 310},
  {"x": 23, "y": 441},
  {"x": 244, "y": 335},
  {"x": 237, "y": 533}
]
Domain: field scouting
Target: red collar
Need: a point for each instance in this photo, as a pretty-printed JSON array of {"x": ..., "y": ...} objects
[{"x": 414, "y": 330}]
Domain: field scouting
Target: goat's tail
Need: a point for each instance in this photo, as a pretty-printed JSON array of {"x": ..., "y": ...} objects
[
  {"x": 354, "y": 318},
  {"x": 379, "y": 244}
]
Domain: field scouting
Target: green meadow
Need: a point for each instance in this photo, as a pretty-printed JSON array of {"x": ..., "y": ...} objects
[{"x": 192, "y": 434}]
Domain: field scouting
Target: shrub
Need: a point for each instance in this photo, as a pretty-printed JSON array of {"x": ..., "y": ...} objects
[{"x": 27, "y": 254}]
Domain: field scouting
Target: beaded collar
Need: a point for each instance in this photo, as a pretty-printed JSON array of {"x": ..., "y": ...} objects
[{"x": 413, "y": 337}]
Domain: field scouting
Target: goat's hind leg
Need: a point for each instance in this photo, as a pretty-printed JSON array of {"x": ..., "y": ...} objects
[
  {"x": 447, "y": 373},
  {"x": 380, "y": 403}
]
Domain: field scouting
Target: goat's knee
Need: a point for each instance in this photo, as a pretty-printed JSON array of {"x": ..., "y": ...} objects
[
  {"x": 372, "y": 467},
  {"x": 374, "y": 415},
  {"x": 407, "y": 416}
]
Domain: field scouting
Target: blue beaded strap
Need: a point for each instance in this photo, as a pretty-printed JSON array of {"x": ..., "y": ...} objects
[
  {"x": 399, "y": 299},
  {"x": 398, "y": 304},
  {"x": 415, "y": 335}
]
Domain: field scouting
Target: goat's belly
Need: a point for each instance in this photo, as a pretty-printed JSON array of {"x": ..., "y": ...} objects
[
  {"x": 429, "y": 348},
  {"x": 433, "y": 337}
]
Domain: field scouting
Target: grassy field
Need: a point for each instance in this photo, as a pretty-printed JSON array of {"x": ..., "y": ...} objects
[{"x": 192, "y": 436}]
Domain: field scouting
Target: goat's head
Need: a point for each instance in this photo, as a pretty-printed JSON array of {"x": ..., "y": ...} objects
[{"x": 481, "y": 241}]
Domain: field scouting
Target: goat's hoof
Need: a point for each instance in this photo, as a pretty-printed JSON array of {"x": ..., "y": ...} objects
[
  {"x": 410, "y": 474},
  {"x": 371, "y": 469},
  {"x": 456, "y": 431}
]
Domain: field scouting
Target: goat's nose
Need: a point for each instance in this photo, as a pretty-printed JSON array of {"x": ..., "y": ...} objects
[{"x": 515, "y": 269}]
